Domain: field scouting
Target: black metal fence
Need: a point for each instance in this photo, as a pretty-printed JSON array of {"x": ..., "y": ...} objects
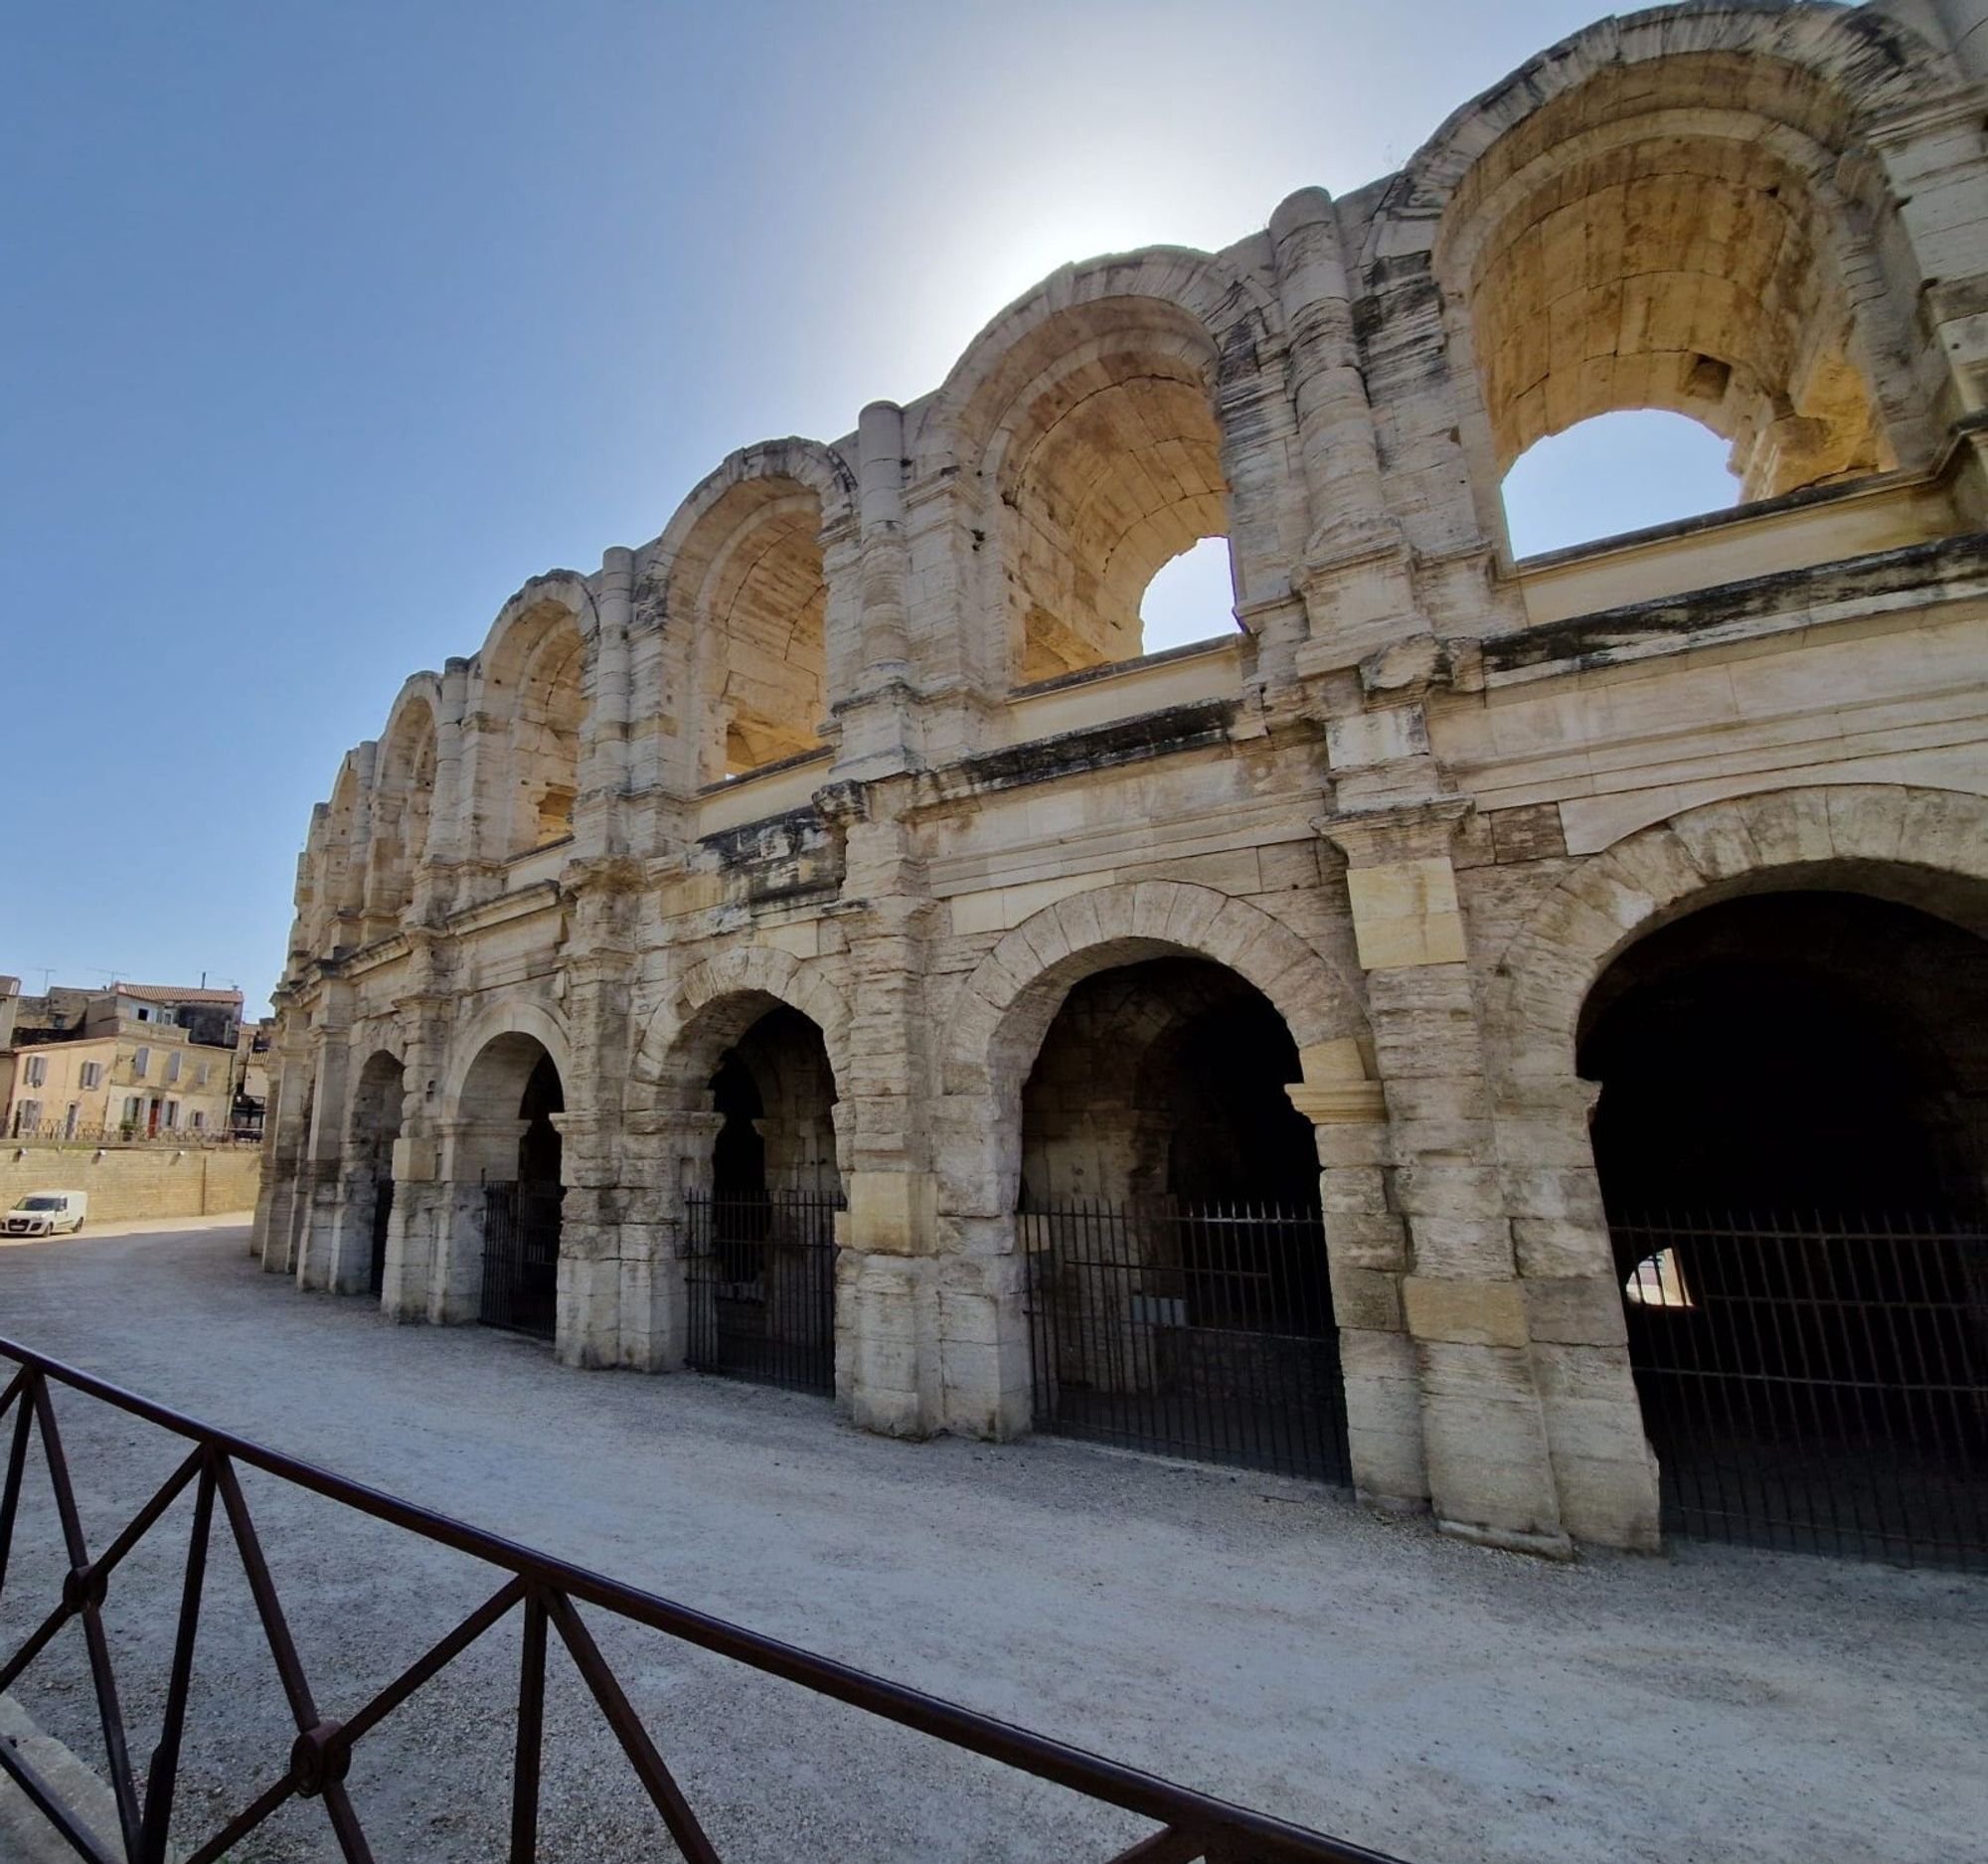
[
  {"x": 760, "y": 1278},
  {"x": 1201, "y": 1330},
  {"x": 545, "y": 1594},
  {"x": 521, "y": 1245},
  {"x": 1815, "y": 1382}
]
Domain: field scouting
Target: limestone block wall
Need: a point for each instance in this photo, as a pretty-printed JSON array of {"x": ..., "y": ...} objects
[
  {"x": 134, "y": 1182},
  {"x": 864, "y": 734}
]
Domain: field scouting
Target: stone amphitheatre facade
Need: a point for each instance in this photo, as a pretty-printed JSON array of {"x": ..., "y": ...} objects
[{"x": 839, "y": 856}]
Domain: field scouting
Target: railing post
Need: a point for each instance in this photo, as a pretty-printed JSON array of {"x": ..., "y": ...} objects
[{"x": 531, "y": 1732}]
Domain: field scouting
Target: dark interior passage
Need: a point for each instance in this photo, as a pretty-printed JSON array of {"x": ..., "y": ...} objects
[
  {"x": 761, "y": 1261},
  {"x": 521, "y": 1217},
  {"x": 1179, "y": 1293},
  {"x": 1789, "y": 1139}
]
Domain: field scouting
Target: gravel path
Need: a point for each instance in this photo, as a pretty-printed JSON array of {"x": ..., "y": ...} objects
[{"x": 1264, "y": 1640}]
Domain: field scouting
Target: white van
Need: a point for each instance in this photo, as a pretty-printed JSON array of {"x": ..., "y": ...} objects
[{"x": 46, "y": 1213}]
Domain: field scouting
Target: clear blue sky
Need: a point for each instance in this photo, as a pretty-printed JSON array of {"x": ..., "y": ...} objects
[{"x": 323, "y": 327}]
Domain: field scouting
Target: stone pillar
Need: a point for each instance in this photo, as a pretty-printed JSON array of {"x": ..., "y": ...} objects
[
  {"x": 604, "y": 763},
  {"x": 599, "y": 961},
  {"x": 321, "y": 1185},
  {"x": 1933, "y": 160},
  {"x": 665, "y": 1156},
  {"x": 877, "y": 717},
  {"x": 1367, "y": 1249},
  {"x": 285, "y": 1137},
  {"x": 1356, "y": 575},
  {"x": 1484, "y": 1434},
  {"x": 475, "y": 1152},
  {"x": 886, "y": 1350},
  {"x": 420, "y": 1203}
]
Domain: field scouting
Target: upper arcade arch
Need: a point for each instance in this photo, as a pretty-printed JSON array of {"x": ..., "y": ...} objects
[
  {"x": 529, "y": 702},
  {"x": 1092, "y": 422},
  {"x": 1681, "y": 211},
  {"x": 403, "y": 798},
  {"x": 746, "y": 622}
]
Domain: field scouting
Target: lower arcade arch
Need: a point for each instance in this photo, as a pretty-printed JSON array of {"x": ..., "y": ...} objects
[
  {"x": 507, "y": 1172},
  {"x": 376, "y": 1126},
  {"x": 1791, "y": 1135},
  {"x": 759, "y": 1255},
  {"x": 1179, "y": 1298}
]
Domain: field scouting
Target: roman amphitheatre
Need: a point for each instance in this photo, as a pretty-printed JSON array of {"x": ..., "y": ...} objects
[{"x": 1462, "y": 1032}]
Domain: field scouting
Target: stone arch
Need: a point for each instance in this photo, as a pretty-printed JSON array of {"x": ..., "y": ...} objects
[
  {"x": 403, "y": 800},
  {"x": 519, "y": 1016},
  {"x": 1867, "y": 61},
  {"x": 745, "y": 609},
  {"x": 1234, "y": 311},
  {"x": 556, "y": 589},
  {"x": 717, "y": 1002},
  {"x": 1921, "y": 847},
  {"x": 1006, "y": 1005},
  {"x": 1681, "y": 211},
  {"x": 530, "y": 697},
  {"x": 1101, "y": 426},
  {"x": 820, "y": 468}
]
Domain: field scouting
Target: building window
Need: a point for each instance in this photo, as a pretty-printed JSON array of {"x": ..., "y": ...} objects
[
  {"x": 37, "y": 1069},
  {"x": 202, "y": 1075},
  {"x": 197, "y": 1120},
  {"x": 92, "y": 1073},
  {"x": 70, "y": 1120},
  {"x": 27, "y": 1116},
  {"x": 172, "y": 1115},
  {"x": 134, "y": 1107},
  {"x": 142, "y": 1061}
]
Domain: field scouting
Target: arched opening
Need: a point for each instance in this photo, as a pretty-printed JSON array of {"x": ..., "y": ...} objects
[
  {"x": 1675, "y": 236},
  {"x": 1615, "y": 473},
  {"x": 536, "y": 681},
  {"x": 1179, "y": 1296},
  {"x": 760, "y": 1270},
  {"x": 1104, "y": 464},
  {"x": 1191, "y": 598},
  {"x": 752, "y": 579},
  {"x": 403, "y": 803},
  {"x": 508, "y": 1172},
  {"x": 1792, "y": 1141},
  {"x": 376, "y": 1124}
]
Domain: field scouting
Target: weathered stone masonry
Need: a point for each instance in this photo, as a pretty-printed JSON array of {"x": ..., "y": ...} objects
[{"x": 863, "y": 732}]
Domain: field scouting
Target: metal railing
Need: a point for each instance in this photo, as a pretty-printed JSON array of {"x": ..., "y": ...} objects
[
  {"x": 1188, "y": 1329},
  {"x": 760, "y": 1273},
  {"x": 547, "y": 1594},
  {"x": 1815, "y": 1381}
]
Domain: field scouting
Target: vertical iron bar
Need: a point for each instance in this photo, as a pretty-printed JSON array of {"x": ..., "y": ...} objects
[
  {"x": 112, "y": 1718},
  {"x": 162, "y": 1778},
  {"x": 17, "y": 1452},
  {"x": 263, "y": 1589}
]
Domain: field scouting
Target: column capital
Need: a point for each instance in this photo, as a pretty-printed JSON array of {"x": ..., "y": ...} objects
[{"x": 1408, "y": 831}]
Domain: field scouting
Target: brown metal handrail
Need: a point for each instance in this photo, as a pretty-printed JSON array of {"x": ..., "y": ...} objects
[{"x": 1193, "y": 1826}]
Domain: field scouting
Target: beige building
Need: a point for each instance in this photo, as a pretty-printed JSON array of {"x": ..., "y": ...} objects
[
  {"x": 1510, "y": 1036},
  {"x": 131, "y": 1062}
]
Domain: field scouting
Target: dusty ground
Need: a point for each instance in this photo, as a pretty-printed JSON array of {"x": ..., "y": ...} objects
[{"x": 1262, "y": 1640}]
